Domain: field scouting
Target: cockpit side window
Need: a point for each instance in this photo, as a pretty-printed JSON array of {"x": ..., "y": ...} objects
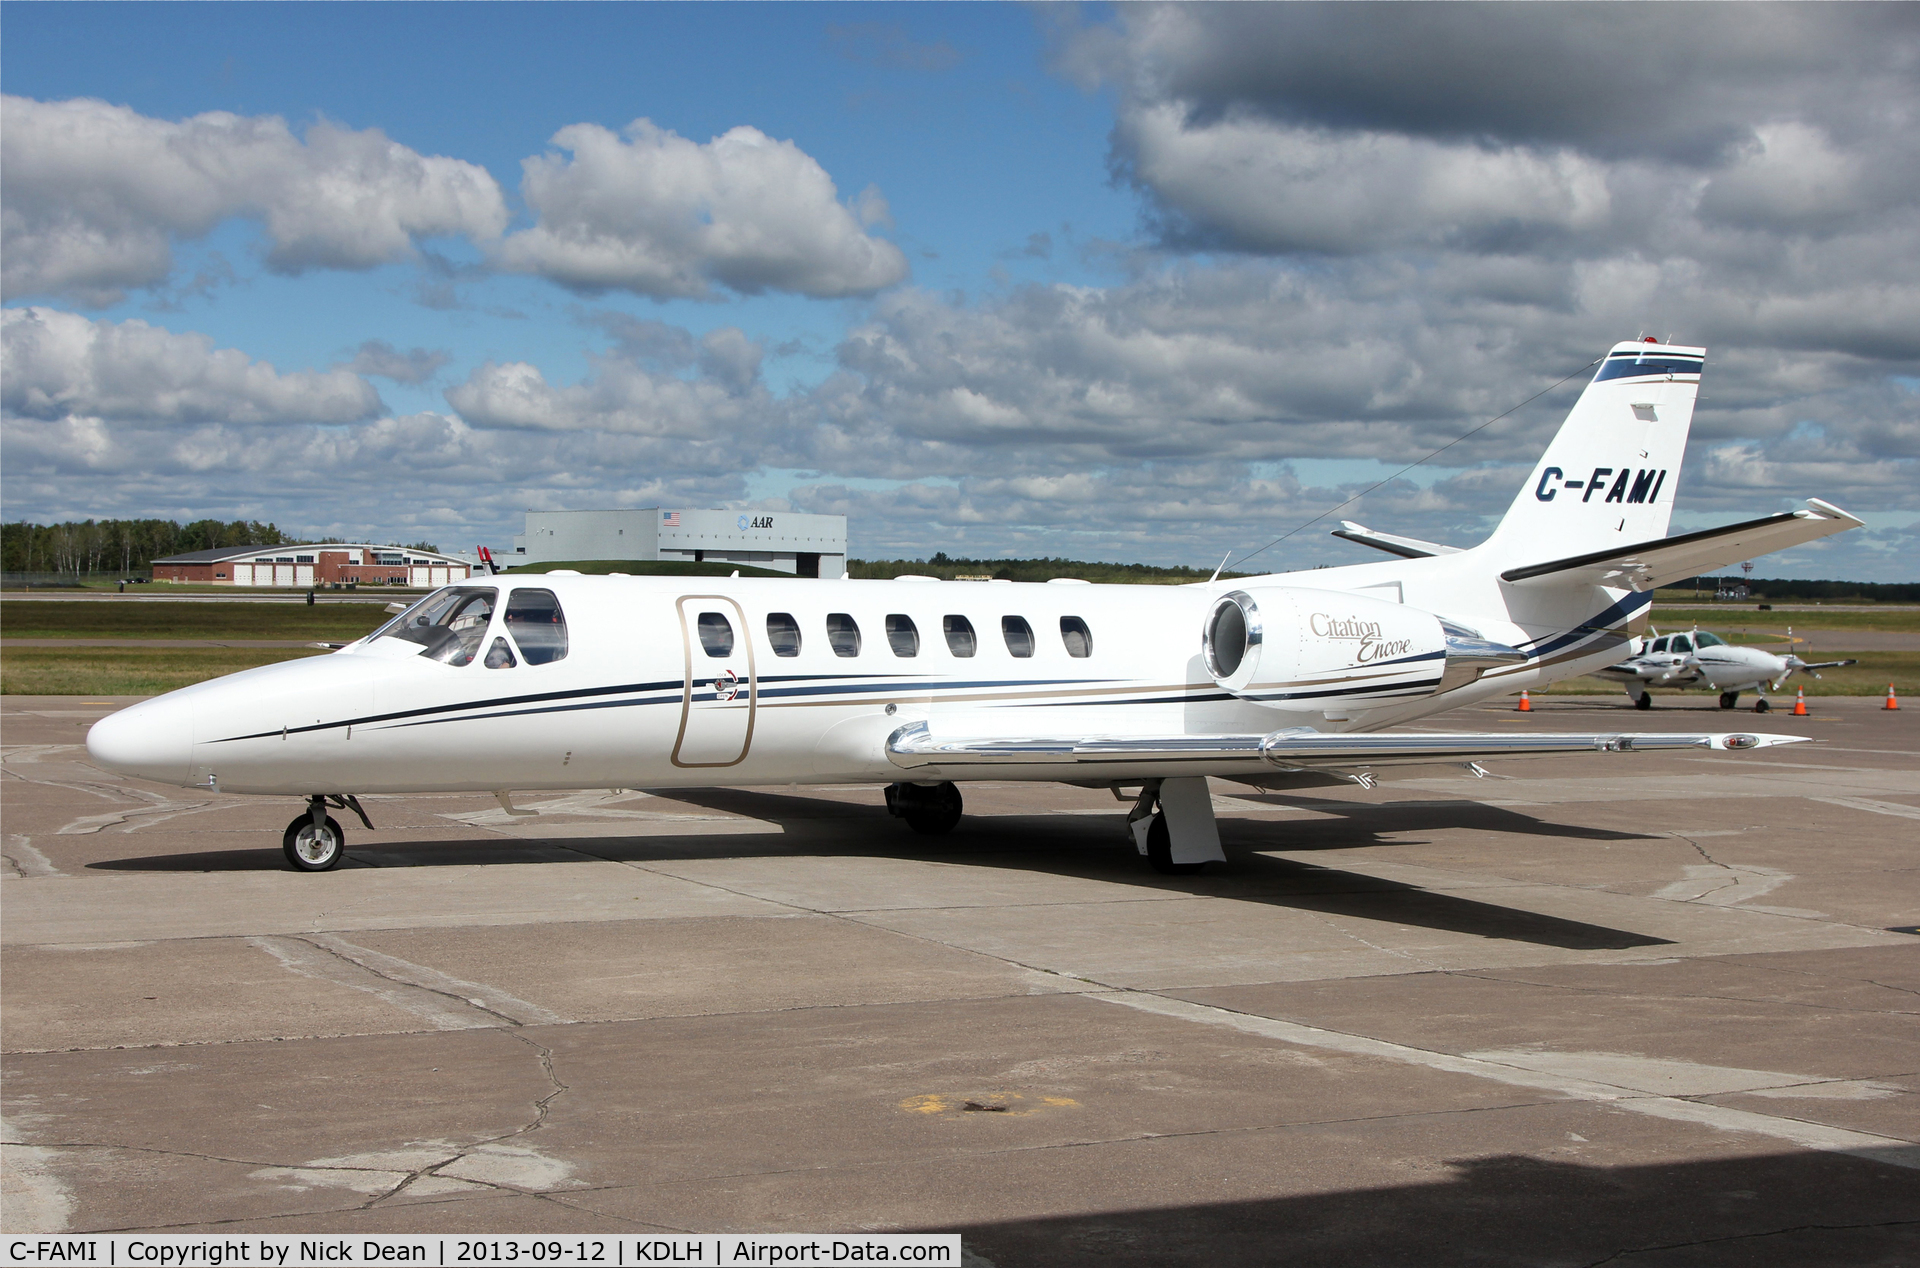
[
  {"x": 1704, "y": 639},
  {"x": 537, "y": 625},
  {"x": 449, "y": 625},
  {"x": 1659, "y": 645},
  {"x": 1680, "y": 643}
]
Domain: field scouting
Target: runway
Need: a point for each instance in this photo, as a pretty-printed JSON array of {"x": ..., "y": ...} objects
[{"x": 1634, "y": 1009}]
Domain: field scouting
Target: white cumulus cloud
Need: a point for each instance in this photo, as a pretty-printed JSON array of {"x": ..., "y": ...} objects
[
  {"x": 654, "y": 213},
  {"x": 95, "y": 194},
  {"x": 61, "y": 366}
]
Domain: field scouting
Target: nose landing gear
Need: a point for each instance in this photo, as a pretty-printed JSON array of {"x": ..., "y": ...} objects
[{"x": 313, "y": 842}]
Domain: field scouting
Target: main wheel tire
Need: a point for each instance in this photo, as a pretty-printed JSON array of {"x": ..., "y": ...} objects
[
  {"x": 311, "y": 851},
  {"x": 1728, "y": 699},
  {"x": 1761, "y": 706},
  {"x": 1644, "y": 700},
  {"x": 1160, "y": 850},
  {"x": 931, "y": 811}
]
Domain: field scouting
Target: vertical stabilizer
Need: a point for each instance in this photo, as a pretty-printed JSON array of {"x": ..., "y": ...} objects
[{"x": 1610, "y": 475}]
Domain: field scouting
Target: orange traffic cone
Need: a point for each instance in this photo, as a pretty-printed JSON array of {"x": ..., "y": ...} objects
[
  {"x": 1800, "y": 703},
  {"x": 1893, "y": 701},
  {"x": 1525, "y": 706}
]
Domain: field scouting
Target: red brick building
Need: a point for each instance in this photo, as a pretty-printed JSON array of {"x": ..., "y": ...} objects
[{"x": 319, "y": 565}]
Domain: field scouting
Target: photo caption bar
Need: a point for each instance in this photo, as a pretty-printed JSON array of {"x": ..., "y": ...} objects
[{"x": 285, "y": 1250}]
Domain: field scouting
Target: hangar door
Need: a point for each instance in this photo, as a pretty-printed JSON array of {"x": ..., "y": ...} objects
[{"x": 719, "y": 696}]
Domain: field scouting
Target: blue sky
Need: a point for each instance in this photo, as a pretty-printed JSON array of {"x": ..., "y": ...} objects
[{"x": 1133, "y": 283}]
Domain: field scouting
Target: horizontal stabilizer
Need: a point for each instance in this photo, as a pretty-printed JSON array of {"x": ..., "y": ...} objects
[
  {"x": 914, "y": 746},
  {"x": 1405, "y": 547},
  {"x": 1650, "y": 565}
]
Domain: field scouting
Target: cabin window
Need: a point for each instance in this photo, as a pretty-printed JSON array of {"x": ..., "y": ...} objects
[
  {"x": 537, "y": 625},
  {"x": 1019, "y": 635},
  {"x": 784, "y": 633},
  {"x": 716, "y": 634},
  {"x": 449, "y": 624},
  {"x": 1680, "y": 643},
  {"x": 843, "y": 634},
  {"x": 959, "y": 632},
  {"x": 902, "y": 636},
  {"x": 1075, "y": 634}
]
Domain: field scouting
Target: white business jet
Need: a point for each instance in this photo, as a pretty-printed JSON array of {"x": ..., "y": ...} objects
[
  {"x": 506, "y": 683},
  {"x": 1699, "y": 658}
]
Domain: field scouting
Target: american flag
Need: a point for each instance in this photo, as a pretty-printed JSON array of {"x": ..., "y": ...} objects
[{"x": 670, "y": 519}]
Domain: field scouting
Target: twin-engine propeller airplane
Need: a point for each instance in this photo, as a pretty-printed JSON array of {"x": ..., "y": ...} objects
[
  {"x": 555, "y": 681},
  {"x": 1698, "y": 658}
]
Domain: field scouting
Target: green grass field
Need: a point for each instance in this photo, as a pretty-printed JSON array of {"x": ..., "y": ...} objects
[
  {"x": 330, "y": 622},
  {"x": 114, "y": 671}
]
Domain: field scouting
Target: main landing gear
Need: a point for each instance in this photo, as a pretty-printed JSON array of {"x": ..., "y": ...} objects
[
  {"x": 1172, "y": 824},
  {"x": 313, "y": 842},
  {"x": 1728, "y": 699},
  {"x": 929, "y": 809},
  {"x": 1644, "y": 700}
]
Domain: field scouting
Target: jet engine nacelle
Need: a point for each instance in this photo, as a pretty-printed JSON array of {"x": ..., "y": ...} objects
[{"x": 1291, "y": 648}]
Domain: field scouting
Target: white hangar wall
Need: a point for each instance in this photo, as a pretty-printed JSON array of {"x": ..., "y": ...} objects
[{"x": 805, "y": 545}]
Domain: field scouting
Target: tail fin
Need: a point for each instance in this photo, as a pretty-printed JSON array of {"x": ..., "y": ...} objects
[{"x": 1609, "y": 477}]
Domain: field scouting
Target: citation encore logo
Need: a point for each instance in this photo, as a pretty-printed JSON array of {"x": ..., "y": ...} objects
[{"x": 1365, "y": 633}]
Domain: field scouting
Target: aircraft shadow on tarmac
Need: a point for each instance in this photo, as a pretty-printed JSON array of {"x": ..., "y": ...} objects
[
  {"x": 1801, "y": 1208},
  {"x": 1082, "y": 846}
]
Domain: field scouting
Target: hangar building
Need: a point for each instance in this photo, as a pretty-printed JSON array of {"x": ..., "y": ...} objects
[
  {"x": 317, "y": 565},
  {"x": 804, "y": 545}
]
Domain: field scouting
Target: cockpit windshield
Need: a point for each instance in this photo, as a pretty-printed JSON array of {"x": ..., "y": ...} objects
[
  {"x": 1703, "y": 639},
  {"x": 450, "y": 624}
]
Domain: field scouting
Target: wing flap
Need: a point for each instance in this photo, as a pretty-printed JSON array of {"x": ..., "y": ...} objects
[
  {"x": 1650, "y": 565},
  {"x": 916, "y": 747}
]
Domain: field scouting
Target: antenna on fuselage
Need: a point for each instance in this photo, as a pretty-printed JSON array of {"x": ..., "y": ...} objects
[{"x": 1222, "y": 568}]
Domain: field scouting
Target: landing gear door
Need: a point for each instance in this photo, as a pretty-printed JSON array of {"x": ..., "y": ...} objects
[{"x": 720, "y": 693}]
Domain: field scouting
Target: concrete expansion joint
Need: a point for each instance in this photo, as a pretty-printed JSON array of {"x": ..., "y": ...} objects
[
  {"x": 1735, "y": 1238},
  {"x": 1676, "y": 997}
]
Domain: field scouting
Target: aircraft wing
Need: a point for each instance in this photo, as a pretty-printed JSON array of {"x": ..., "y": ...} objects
[
  {"x": 916, "y": 746},
  {"x": 1650, "y": 565},
  {"x": 1405, "y": 547}
]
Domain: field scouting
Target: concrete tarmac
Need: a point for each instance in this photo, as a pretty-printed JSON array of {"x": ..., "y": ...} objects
[{"x": 1646, "y": 1010}]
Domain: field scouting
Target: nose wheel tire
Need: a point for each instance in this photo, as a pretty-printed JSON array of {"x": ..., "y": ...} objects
[
  {"x": 313, "y": 850},
  {"x": 1761, "y": 706},
  {"x": 1160, "y": 850}
]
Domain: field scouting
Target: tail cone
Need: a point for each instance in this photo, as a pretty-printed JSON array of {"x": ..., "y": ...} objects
[
  {"x": 1525, "y": 705},
  {"x": 1893, "y": 701},
  {"x": 1800, "y": 703}
]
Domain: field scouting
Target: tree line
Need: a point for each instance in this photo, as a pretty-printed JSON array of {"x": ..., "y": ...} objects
[{"x": 122, "y": 548}]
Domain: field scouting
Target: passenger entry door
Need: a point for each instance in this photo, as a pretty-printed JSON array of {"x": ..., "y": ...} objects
[{"x": 720, "y": 694}]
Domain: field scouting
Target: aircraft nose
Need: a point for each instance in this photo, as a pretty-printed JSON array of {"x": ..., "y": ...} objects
[{"x": 150, "y": 740}]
